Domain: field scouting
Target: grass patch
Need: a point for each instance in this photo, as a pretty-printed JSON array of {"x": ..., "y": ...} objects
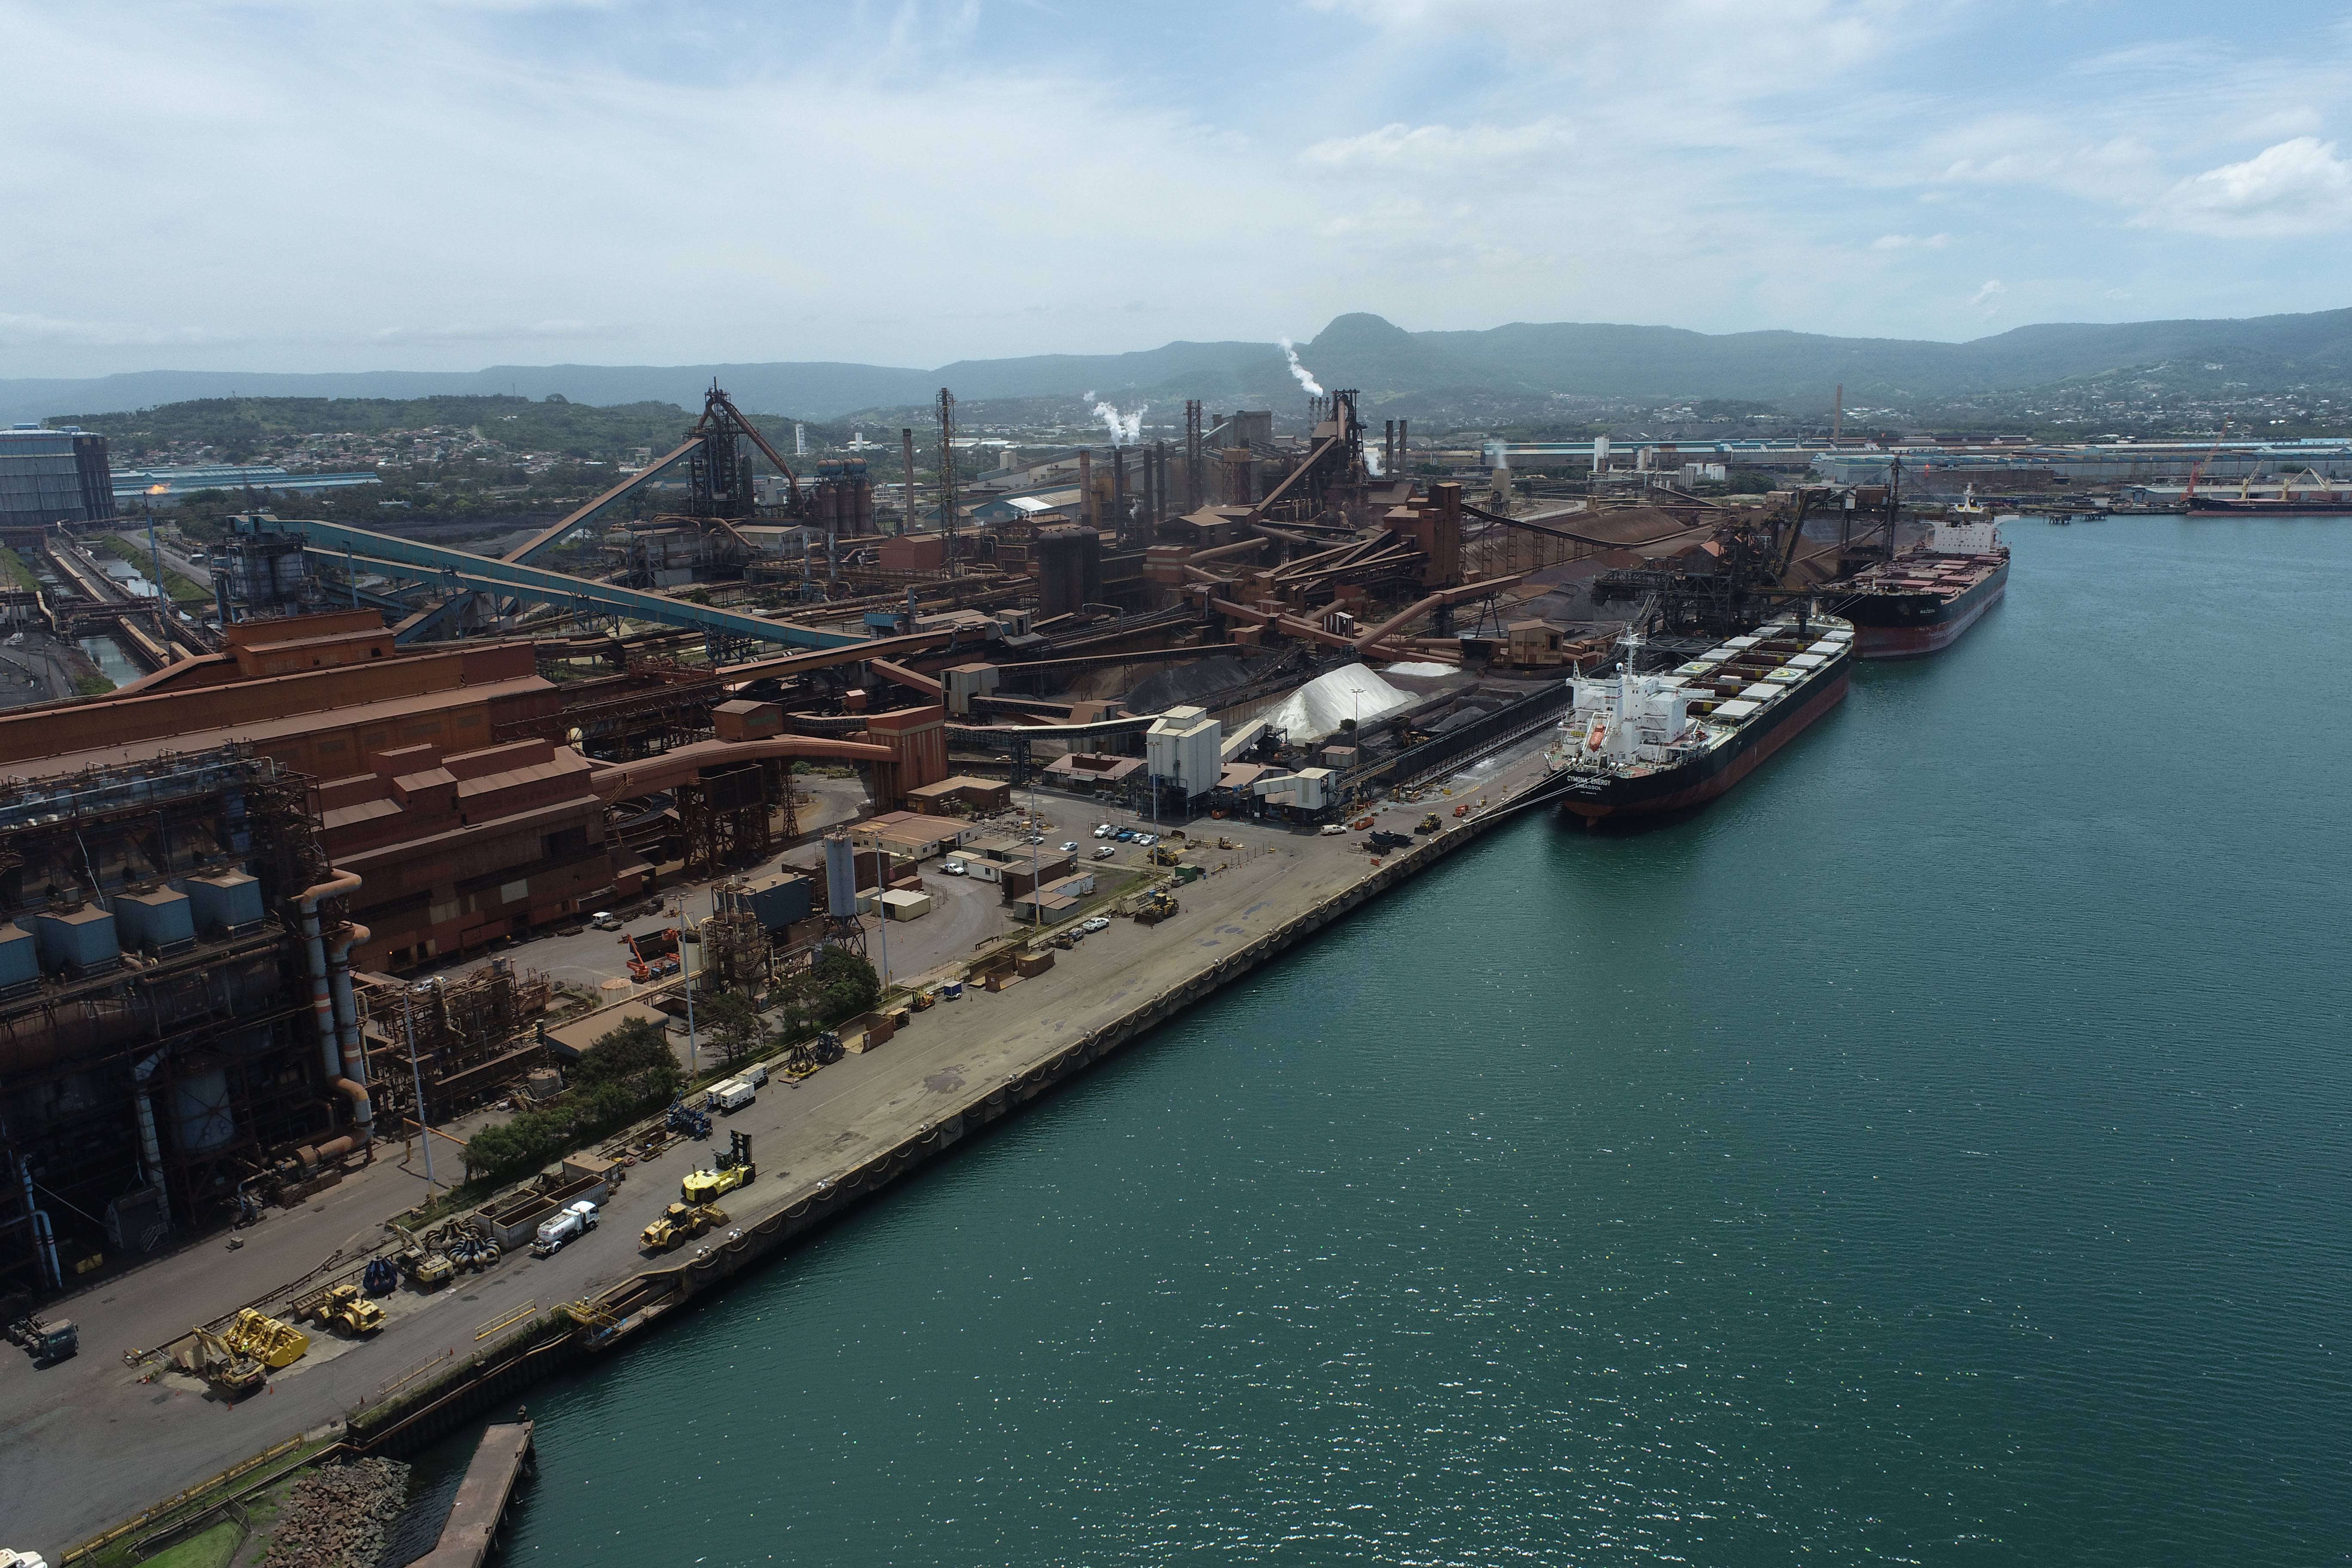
[
  {"x": 213, "y": 1549},
  {"x": 92, "y": 686},
  {"x": 19, "y": 572},
  {"x": 183, "y": 591},
  {"x": 260, "y": 1508}
]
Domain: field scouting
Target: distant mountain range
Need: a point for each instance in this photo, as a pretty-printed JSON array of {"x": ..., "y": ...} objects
[{"x": 1395, "y": 369}]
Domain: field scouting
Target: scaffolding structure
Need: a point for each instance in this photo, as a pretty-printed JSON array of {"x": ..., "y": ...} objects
[
  {"x": 737, "y": 954},
  {"x": 158, "y": 1056},
  {"x": 466, "y": 1042}
]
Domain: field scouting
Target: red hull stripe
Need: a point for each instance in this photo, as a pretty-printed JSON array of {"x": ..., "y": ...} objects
[
  {"x": 1909, "y": 642},
  {"x": 1706, "y": 789}
]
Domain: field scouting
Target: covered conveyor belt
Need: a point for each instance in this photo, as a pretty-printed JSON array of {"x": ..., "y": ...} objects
[
  {"x": 541, "y": 544},
  {"x": 620, "y": 780},
  {"x": 462, "y": 569}
]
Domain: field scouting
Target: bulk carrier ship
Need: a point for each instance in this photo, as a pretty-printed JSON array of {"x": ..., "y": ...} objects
[
  {"x": 1924, "y": 597},
  {"x": 1639, "y": 742}
]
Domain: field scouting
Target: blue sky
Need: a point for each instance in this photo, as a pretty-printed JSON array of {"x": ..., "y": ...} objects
[{"x": 413, "y": 186}]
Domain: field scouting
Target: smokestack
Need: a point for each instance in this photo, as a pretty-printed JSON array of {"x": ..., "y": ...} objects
[
  {"x": 907, "y": 489},
  {"x": 1837, "y": 419},
  {"x": 1192, "y": 457},
  {"x": 1086, "y": 487},
  {"x": 1119, "y": 490}
]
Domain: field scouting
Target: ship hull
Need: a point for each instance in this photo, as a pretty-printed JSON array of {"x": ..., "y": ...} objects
[
  {"x": 1907, "y": 626},
  {"x": 1702, "y": 779},
  {"x": 2329, "y": 508}
]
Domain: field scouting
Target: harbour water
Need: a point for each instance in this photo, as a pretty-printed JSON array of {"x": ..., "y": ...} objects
[
  {"x": 1936, "y": 1151},
  {"x": 111, "y": 661}
]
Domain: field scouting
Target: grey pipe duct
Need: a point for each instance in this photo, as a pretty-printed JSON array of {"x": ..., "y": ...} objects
[
  {"x": 45, "y": 1236},
  {"x": 150, "y": 1147},
  {"x": 322, "y": 1006},
  {"x": 354, "y": 1079}
]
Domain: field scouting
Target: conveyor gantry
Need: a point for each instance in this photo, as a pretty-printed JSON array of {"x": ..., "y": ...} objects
[{"x": 461, "y": 570}]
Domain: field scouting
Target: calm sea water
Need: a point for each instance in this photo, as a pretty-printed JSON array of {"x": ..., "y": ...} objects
[{"x": 1934, "y": 1152}]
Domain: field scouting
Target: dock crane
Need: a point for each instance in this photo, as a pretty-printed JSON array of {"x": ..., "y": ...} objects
[{"x": 2189, "y": 496}]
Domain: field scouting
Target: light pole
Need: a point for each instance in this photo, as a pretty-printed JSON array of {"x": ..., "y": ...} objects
[
  {"x": 882, "y": 909},
  {"x": 693, "y": 1052},
  {"x": 1036, "y": 844},
  {"x": 416, "y": 1077}
]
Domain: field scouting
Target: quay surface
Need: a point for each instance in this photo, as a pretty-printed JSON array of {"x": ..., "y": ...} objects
[
  {"x": 820, "y": 1146},
  {"x": 471, "y": 1532}
]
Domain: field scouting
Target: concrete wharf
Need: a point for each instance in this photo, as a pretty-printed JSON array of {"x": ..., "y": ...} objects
[
  {"x": 503, "y": 1459},
  {"x": 821, "y": 1146}
]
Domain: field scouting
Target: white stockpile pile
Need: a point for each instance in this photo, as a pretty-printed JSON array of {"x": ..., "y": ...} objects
[{"x": 1324, "y": 703}]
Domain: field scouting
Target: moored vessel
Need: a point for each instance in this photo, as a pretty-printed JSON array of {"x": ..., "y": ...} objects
[
  {"x": 1644, "y": 740},
  {"x": 1924, "y": 597}
]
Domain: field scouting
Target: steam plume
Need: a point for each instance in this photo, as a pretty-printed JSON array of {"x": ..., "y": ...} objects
[
  {"x": 1314, "y": 388},
  {"x": 1126, "y": 429}
]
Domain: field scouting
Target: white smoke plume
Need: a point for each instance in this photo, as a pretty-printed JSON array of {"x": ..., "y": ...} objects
[
  {"x": 1314, "y": 387},
  {"x": 1126, "y": 429},
  {"x": 1372, "y": 461}
]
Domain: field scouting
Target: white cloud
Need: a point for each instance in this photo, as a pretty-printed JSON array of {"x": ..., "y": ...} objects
[
  {"x": 2296, "y": 187},
  {"x": 1436, "y": 149},
  {"x": 17, "y": 330},
  {"x": 1910, "y": 242},
  {"x": 1990, "y": 294},
  {"x": 563, "y": 330}
]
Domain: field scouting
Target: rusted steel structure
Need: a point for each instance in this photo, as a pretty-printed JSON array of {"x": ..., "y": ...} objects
[{"x": 169, "y": 1030}]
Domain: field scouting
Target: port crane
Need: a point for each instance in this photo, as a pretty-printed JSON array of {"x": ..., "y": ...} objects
[{"x": 2189, "y": 496}]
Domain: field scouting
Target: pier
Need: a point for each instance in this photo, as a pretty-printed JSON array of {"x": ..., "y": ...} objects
[{"x": 504, "y": 1458}]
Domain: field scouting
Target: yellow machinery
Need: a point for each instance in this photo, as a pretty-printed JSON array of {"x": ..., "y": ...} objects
[
  {"x": 232, "y": 1372},
  {"x": 925, "y": 1001},
  {"x": 272, "y": 1344},
  {"x": 1166, "y": 854},
  {"x": 704, "y": 1186},
  {"x": 680, "y": 1222},
  {"x": 1157, "y": 905},
  {"x": 426, "y": 1267},
  {"x": 1429, "y": 824},
  {"x": 343, "y": 1307},
  {"x": 735, "y": 1168}
]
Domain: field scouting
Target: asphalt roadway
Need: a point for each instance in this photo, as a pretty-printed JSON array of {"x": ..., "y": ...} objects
[{"x": 92, "y": 1441}]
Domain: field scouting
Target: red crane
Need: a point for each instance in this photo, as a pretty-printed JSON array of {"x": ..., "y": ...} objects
[{"x": 2189, "y": 496}]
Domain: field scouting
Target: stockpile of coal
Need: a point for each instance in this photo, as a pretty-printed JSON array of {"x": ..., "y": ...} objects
[{"x": 340, "y": 1517}]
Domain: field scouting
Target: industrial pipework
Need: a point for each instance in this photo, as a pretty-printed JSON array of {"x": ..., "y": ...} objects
[{"x": 323, "y": 1014}]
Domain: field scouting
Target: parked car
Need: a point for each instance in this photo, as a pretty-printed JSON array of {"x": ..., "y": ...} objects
[
  {"x": 1105, "y": 852},
  {"x": 1096, "y": 924},
  {"x": 1105, "y": 831},
  {"x": 1124, "y": 834},
  {"x": 1334, "y": 829},
  {"x": 1071, "y": 848},
  {"x": 953, "y": 868},
  {"x": 604, "y": 919},
  {"x": 1147, "y": 839}
]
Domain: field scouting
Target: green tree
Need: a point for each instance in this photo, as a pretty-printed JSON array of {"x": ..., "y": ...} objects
[
  {"x": 635, "y": 1050},
  {"x": 733, "y": 1022}
]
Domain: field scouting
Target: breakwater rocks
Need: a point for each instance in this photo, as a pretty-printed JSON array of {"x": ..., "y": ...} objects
[{"x": 340, "y": 1516}]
